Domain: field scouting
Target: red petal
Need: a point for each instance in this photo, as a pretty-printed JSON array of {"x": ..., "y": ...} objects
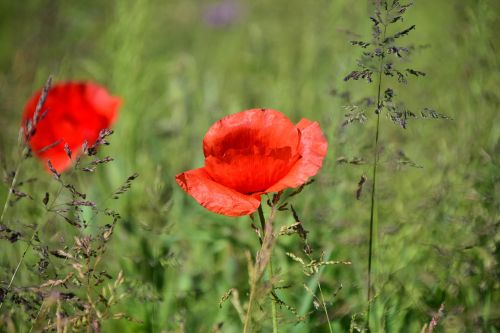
[
  {"x": 216, "y": 197},
  {"x": 104, "y": 104},
  {"x": 76, "y": 112},
  {"x": 248, "y": 127},
  {"x": 60, "y": 162},
  {"x": 313, "y": 147},
  {"x": 56, "y": 153},
  {"x": 251, "y": 150}
]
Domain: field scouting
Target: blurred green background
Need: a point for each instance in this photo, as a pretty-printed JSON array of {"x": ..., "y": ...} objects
[{"x": 179, "y": 68}]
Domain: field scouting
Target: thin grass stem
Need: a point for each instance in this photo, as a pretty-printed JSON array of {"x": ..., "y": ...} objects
[
  {"x": 4, "y": 210},
  {"x": 14, "y": 180},
  {"x": 374, "y": 180},
  {"x": 18, "y": 265},
  {"x": 274, "y": 311},
  {"x": 249, "y": 309},
  {"x": 324, "y": 306}
]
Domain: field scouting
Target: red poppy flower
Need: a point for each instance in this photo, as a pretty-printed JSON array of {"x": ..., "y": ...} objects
[
  {"x": 76, "y": 112},
  {"x": 251, "y": 153}
]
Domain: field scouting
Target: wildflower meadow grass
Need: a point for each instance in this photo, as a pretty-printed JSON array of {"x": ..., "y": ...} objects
[{"x": 138, "y": 195}]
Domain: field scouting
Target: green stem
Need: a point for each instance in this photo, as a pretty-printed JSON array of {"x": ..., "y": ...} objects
[
  {"x": 18, "y": 265},
  {"x": 262, "y": 220},
  {"x": 324, "y": 305},
  {"x": 274, "y": 311},
  {"x": 5, "y": 206},
  {"x": 4, "y": 210},
  {"x": 249, "y": 309},
  {"x": 9, "y": 194},
  {"x": 374, "y": 180}
]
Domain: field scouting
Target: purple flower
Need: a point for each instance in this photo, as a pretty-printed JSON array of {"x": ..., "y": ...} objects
[{"x": 222, "y": 13}]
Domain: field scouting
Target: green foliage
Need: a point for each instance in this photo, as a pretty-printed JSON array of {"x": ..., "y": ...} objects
[{"x": 438, "y": 183}]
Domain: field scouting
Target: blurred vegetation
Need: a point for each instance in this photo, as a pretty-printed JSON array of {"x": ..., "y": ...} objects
[{"x": 438, "y": 237}]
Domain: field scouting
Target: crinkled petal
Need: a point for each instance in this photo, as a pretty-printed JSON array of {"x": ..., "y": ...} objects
[
  {"x": 250, "y": 173},
  {"x": 251, "y": 150},
  {"x": 313, "y": 147},
  {"x": 216, "y": 197},
  {"x": 256, "y": 127}
]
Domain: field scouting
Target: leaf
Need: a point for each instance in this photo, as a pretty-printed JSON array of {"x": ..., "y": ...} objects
[
  {"x": 52, "y": 145},
  {"x": 405, "y": 160},
  {"x": 53, "y": 170},
  {"x": 125, "y": 187},
  {"x": 401, "y": 77},
  {"x": 415, "y": 72},
  {"x": 400, "y": 115},
  {"x": 83, "y": 203},
  {"x": 225, "y": 297},
  {"x": 295, "y": 258},
  {"x": 20, "y": 194},
  {"x": 61, "y": 254},
  {"x": 354, "y": 117},
  {"x": 74, "y": 192},
  {"x": 55, "y": 283},
  {"x": 430, "y": 113},
  {"x": 106, "y": 159},
  {"x": 399, "y": 34},
  {"x": 41, "y": 102},
  {"x": 398, "y": 51},
  {"x": 9, "y": 234},
  {"x": 360, "y": 43},
  {"x": 388, "y": 95},
  {"x": 356, "y": 75},
  {"x": 46, "y": 198},
  {"x": 68, "y": 151},
  {"x": 360, "y": 186},
  {"x": 354, "y": 160}
]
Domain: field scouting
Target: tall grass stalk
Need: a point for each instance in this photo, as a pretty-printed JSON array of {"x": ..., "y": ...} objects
[
  {"x": 374, "y": 177},
  {"x": 30, "y": 242},
  {"x": 17, "y": 266},
  {"x": 24, "y": 152},
  {"x": 5, "y": 206},
  {"x": 35, "y": 320},
  {"x": 249, "y": 308},
  {"x": 308, "y": 298},
  {"x": 9, "y": 194}
]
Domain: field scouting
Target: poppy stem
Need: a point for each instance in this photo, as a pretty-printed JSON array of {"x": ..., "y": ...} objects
[
  {"x": 262, "y": 220},
  {"x": 255, "y": 276},
  {"x": 274, "y": 311}
]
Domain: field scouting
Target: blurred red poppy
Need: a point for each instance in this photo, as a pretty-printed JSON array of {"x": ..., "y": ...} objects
[
  {"x": 251, "y": 153},
  {"x": 73, "y": 112}
]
